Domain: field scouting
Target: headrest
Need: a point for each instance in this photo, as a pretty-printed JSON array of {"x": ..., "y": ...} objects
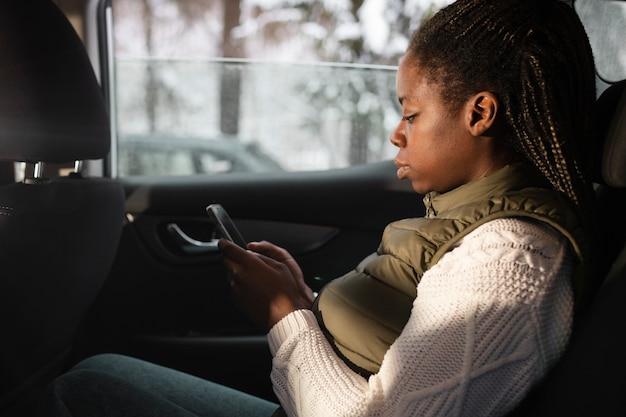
[
  {"x": 51, "y": 105},
  {"x": 612, "y": 126}
]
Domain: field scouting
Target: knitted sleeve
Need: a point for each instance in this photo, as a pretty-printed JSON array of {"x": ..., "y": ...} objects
[{"x": 489, "y": 319}]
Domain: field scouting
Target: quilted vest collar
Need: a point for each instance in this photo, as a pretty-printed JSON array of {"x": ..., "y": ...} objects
[{"x": 503, "y": 181}]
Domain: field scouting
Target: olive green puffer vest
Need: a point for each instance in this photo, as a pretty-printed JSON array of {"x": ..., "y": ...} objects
[{"x": 364, "y": 311}]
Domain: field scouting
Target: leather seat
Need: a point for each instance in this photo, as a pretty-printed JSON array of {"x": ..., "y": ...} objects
[{"x": 58, "y": 236}]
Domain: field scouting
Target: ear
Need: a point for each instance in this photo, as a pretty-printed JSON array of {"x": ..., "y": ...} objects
[{"x": 482, "y": 111}]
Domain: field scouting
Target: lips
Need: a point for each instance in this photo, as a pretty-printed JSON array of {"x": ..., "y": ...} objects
[{"x": 403, "y": 169}]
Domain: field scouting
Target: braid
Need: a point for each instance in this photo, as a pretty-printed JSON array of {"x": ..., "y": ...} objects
[{"x": 535, "y": 57}]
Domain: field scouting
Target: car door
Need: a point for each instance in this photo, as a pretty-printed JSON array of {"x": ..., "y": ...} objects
[{"x": 167, "y": 297}]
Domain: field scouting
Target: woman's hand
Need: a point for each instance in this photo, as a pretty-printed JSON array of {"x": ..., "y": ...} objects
[{"x": 266, "y": 281}]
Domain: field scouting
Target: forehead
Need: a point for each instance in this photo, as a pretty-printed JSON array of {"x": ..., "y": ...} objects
[{"x": 413, "y": 82}]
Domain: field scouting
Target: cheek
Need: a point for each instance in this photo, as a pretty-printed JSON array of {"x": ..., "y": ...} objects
[
  {"x": 435, "y": 149},
  {"x": 426, "y": 140},
  {"x": 443, "y": 136}
]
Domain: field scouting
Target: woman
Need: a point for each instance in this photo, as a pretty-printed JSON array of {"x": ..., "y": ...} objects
[{"x": 460, "y": 312}]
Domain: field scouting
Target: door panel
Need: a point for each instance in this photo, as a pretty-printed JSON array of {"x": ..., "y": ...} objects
[{"x": 166, "y": 303}]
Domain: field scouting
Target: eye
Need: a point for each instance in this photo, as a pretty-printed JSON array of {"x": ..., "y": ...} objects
[{"x": 409, "y": 118}]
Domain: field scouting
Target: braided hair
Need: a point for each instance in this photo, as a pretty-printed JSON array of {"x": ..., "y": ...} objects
[{"x": 534, "y": 55}]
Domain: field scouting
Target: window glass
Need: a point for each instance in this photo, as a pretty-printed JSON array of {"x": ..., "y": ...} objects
[
  {"x": 257, "y": 85},
  {"x": 600, "y": 18}
]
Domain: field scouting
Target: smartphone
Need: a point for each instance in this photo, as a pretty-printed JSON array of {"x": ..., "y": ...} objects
[{"x": 225, "y": 225}]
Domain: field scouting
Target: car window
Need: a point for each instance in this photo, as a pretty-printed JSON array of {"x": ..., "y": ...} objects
[
  {"x": 600, "y": 18},
  {"x": 251, "y": 86}
]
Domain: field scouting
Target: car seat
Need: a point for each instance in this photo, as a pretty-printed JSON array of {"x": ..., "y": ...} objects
[
  {"x": 588, "y": 380},
  {"x": 58, "y": 237}
]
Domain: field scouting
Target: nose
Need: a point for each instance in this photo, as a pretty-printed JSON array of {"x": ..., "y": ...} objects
[{"x": 398, "y": 137}]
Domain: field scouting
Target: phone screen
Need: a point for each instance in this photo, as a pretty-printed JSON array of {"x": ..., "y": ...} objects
[{"x": 225, "y": 225}]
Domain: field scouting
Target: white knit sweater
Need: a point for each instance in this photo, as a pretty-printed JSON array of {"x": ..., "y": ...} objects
[{"x": 489, "y": 319}]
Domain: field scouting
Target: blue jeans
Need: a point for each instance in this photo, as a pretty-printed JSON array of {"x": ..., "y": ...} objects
[{"x": 114, "y": 385}]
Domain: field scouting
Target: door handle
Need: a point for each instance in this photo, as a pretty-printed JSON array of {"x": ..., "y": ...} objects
[{"x": 190, "y": 245}]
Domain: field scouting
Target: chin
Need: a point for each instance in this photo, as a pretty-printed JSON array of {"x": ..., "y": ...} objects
[{"x": 420, "y": 189}]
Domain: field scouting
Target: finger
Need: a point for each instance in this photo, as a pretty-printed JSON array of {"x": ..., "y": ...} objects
[
  {"x": 270, "y": 250},
  {"x": 269, "y": 254},
  {"x": 232, "y": 280},
  {"x": 234, "y": 252},
  {"x": 233, "y": 268}
]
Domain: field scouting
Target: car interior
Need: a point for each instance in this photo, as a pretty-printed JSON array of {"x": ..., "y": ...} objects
[{"x": 94, "y": 263}]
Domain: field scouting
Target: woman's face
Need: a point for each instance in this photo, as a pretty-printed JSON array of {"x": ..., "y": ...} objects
[{"x": 437, "y": 151}]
